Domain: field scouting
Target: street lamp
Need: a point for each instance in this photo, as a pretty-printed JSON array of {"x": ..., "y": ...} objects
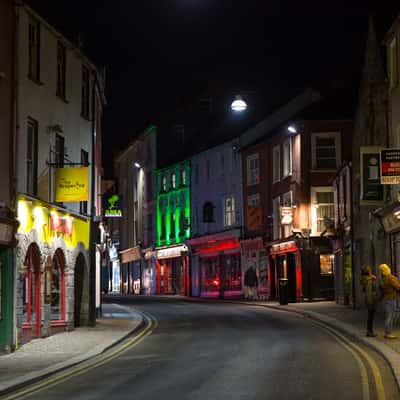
[
  {"x": 137, "y": 165},
  {"x": 238, "y": 104},
  {"x": 292, "y": 129}
]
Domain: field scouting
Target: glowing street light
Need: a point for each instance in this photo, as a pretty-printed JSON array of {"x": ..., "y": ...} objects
[
  {"x": 238, "y": 104},
  {"x": 292, "y": 129},
  {"x": 137, "y": 165}
]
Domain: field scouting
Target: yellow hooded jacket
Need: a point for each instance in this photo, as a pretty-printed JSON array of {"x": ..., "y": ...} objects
[{"x": 389, "y": 283}]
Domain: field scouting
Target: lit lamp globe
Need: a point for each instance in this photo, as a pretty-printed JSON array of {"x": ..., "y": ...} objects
[{"x": 238, "y": 104}]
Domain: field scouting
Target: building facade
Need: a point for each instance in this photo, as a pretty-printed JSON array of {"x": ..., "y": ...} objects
[
  {"x": 216, "y": 222},
  {"x": 59, "y": 102}
]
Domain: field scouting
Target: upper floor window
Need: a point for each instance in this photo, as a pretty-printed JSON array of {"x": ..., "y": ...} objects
[
  {"x": 393, "y": 64},
  {"x": 173, "y": 180},
  {"x": 173, "y": 226},
  {"x": 253, "y": 169},
  {"x": 253, "y": 200},
  {"x": 59, "y": 151},
  {"x": 287, "y": 157},
  {"x": 276, "y": 164},
  {"x": 34, "y": 49},
  {"x": 32, "y": 157},
  {"x": 85, "y": 95},
  {"x": 323, "y": 208},
  {"x": 183, "y": 177},
  {"x": 208, "y": 212},
  {"x": 326, "y": 150},
  {"x": 61, "y": 70},
  {"x": 164, "y": 183},
  {"x": 229, "y": 211}
]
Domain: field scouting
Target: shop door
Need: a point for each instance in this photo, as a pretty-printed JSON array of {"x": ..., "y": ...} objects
[{"x": 291, "y": 275}]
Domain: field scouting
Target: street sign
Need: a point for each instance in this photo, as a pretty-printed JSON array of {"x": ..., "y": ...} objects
[{"x": 390, "y": 166}]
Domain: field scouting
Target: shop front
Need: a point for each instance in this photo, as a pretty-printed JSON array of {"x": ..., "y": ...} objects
[
  {"x": 216, "y": 265},
  {"x": 149, "y": 276},
  {"x": 131, "y": 270},
  {"x": 172, "y": 270},
  {"x": 254, "y": 255},
  {"x": 52, "y": 267},
  {"x": 8, "y": 227}
]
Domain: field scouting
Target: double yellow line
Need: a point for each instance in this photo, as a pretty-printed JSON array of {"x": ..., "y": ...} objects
[
  {"x": 95, "y": 362},
  {"x": 358, "y": 353}
]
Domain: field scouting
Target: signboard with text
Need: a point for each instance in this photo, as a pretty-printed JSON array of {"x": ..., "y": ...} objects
[
  {"x": 390, "y": 166},
  {"x": 72, "y": 184},
  {"x": 113, "y": 206},
  {"x": 371, "y": 188}
]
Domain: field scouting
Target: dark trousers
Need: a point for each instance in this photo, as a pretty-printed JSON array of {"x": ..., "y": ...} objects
[{"x": 370, "y": 320}]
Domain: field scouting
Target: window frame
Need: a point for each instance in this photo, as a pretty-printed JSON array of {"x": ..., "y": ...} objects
[
  {"x": 85, "y": 92},
  {"x": 287, "y": 163},
  {"x": 276, "y": 163},
  {"x": 229, "y": 215},
  {"x": 32, "y": 157},
  {"x": 313, "y": 194},
  {"x": 276, "y": 218},
  {"x": 336, "y": 136},
  {"x": 34, "y": 49},
  {"x": 173, "y": 180},
  {"x": 254, "y": 200},
  {"x": 253, "y": 171},
  {"x": 61, "y": 70}
]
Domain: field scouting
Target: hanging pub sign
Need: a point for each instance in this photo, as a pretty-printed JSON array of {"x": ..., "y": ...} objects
[
  {"x": 390, "y": 166},
  {"x": 113, "y": 206},
  {"x": 286, "y": 215},
  {"x": 72, "y": 184},
  {"x": 371, "y": 189}
]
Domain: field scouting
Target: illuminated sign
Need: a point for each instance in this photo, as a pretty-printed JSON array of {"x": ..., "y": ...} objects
[
  {"x": 171, "y": 252},
  {"x": 72, "y": 184},
  {"x": 113, "y": 208},
  {"x": 390, "y": 166},
  {"x": 371, "y": 188},
  {"x": 286, "y": 215},
  {"x": 61, "y": 224}
]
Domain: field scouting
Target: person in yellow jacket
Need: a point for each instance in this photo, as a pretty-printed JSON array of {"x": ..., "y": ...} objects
[{"x": 391, "y": 291}]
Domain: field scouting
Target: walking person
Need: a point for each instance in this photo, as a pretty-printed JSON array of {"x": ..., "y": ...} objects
[
  {"x": 391, "y": 291},
  {"x": 368, "y": 284},
  {"x": 250, "y": 283}
]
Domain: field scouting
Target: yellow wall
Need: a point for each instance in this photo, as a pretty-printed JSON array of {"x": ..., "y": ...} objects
[{"x": 35, "y": 214}]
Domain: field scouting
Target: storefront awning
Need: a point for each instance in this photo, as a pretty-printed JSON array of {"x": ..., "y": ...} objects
[
  {"x": 171, "y": 251},
  {"x": 132, "y": 254}
]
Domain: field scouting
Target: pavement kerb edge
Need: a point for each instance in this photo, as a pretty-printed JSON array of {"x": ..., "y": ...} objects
[{"x": 64, "y": 365}]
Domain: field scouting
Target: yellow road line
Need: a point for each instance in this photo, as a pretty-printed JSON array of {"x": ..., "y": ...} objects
[
  {"x": 88, "y": 365},
  {"x": 380, "y": 390}
]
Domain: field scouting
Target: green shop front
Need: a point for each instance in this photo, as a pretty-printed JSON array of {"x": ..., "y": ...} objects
[{"x": 8, "y": 227}]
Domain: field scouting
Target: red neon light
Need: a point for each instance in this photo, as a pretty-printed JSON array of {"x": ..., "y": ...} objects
[{"x": 219, "y": 246}]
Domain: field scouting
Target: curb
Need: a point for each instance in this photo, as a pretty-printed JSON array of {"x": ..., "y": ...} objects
[{"x": 34, "y": 377}]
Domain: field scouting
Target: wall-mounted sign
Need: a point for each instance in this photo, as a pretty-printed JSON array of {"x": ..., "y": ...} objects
[
  {"x": 286, "y": 215},
  {"x": 371, "y": 188},
  {"x": 113, "y": 206},
  {"x": 61, "y": 224},
  {"x": 170, "y": 252},
  {"x": 254, "y": 218},
  {"x": 390, "y": 166},
  {"x": 72, "y": 184}
]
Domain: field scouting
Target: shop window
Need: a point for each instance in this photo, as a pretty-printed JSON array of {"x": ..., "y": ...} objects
[
  {"x": 208, "y": 212},
  {"x": 325, "y": 150},
  {"x": 232, "y": 272},
  {"x": 229, "y": 211},
  {"x": 209, "y": 274},
  {"x": 326, "y": 263},
  {"x": 56, "y": 289},
  {"x": 253, "y": 169}
]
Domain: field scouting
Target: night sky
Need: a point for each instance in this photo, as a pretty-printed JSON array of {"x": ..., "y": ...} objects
[{"x": 158, "y": 53}]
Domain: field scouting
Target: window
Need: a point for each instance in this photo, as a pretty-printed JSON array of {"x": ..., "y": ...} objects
[
  {"x": 208, "y": 168},
  {"x": 229, "y": 211},
  {"x": 163, "y": 226},
  {"x": 61, "y": 70},
  {"x": 393, "y": 65},
  {"x": 253, "y": 170},
  {"x": 323, "y": 208},
  {"x": 208, "y": 212},
  {"x": 173, "y": 226},
  {"x": 34, "y": 49},
  {"x": 164, "y": 183},
  {"x": 173, "y": 180},
  {"x": 325, "y": 150},
  {"x": 85, "y": 92},
  {"x": 183, "y": 177},
  {"x": 276, "y": 218},
  {"x": 286, "y": 221},
  {"x": 326, "y": 264},
  {"x": 276, "y": 164},
  {"x": 253, "y": 200},
  {"x": 59, "y": 153},
  {"x": 83, "y": 205},
  {"x": 32, "y": 157},
  {"x": 287, "y": 157},
  {"x": 56, "y": 289}
]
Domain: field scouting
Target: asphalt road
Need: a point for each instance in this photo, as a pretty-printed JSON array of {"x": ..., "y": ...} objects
[{"x": 226, "y": 351}]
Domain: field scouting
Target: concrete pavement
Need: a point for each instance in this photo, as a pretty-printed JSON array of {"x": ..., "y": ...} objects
[{"x": 45, "y": 356}]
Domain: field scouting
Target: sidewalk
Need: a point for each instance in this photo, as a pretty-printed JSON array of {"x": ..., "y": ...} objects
[{"x": 41, "y": 357}]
